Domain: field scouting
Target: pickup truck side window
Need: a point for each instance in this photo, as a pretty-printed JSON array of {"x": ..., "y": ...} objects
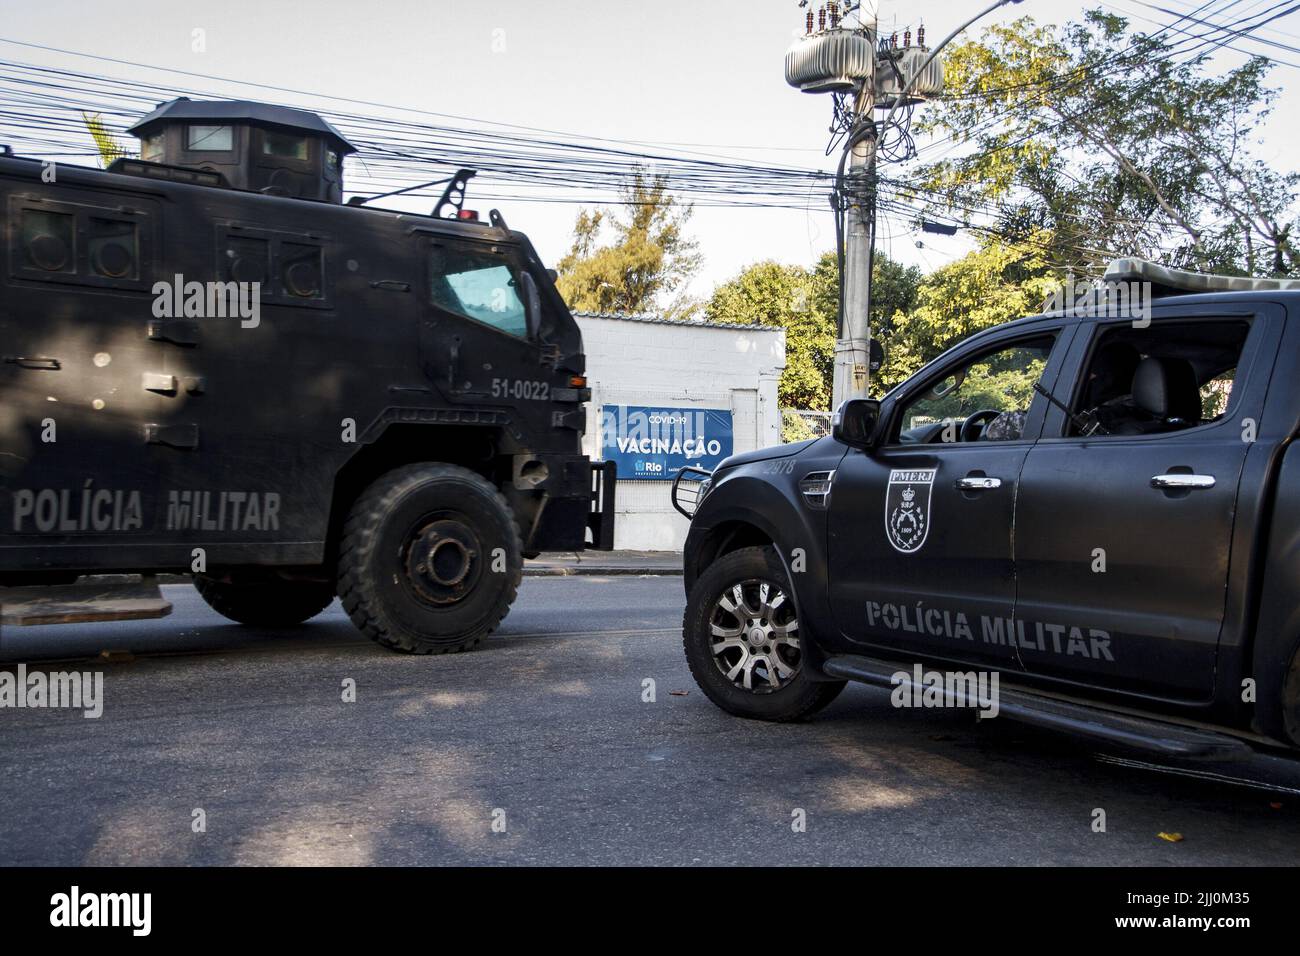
[
  {"x": 1168, "y": 377},
  {"x": 986, "y": 398}
]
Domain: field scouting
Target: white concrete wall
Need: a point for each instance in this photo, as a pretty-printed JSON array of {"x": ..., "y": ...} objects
[{"x": 683, "y": 365}]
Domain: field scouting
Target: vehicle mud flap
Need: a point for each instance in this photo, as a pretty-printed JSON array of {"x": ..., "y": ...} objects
[{"x": 604, "y": 478}]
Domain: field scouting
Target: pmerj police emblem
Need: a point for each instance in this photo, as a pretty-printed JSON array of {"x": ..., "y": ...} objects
[{"x": 907, "y": 508}]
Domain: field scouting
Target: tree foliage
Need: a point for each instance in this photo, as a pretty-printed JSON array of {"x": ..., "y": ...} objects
[
  {"x": 1110, "y": 143},
  {"x": 649, "y": 259},
  {"x": 805, "y": 302},
  {"x": 107, "y": 145},
  {"x": 999, "y": 282}
]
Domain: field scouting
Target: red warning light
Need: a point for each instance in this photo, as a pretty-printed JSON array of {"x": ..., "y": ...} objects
[{"x": 468, "y": 215}]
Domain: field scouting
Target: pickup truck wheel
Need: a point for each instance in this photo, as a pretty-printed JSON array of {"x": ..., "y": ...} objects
[
  {"x": 265, "y": 603},
  {"x": 742, "y": 638},
  {"x": 429, "y": 560}
]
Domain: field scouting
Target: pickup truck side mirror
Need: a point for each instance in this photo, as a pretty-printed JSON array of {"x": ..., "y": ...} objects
[{"x": 856, "y": 423}]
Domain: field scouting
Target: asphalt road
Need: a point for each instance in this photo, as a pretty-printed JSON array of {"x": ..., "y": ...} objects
[{"x": 544, "y": 729}]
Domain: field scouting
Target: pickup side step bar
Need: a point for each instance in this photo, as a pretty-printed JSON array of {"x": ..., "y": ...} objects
[
  {"x": 1142, "y": 734},
  {"x": 83, "y": 603}
]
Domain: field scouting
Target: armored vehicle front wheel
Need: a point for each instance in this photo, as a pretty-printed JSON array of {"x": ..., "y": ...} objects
[
  {"x": 264, "y": 602},
  {"x": 743, "y": 640},
  {"x": 430, "y": 559}
]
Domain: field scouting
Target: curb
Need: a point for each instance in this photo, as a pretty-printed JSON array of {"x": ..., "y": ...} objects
[{"x": 597, "y": 570}]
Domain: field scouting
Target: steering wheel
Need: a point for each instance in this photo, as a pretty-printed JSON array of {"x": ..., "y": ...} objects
[{"x": 978, "y": 420}]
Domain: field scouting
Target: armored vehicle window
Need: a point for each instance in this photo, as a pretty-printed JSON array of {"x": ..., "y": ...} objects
[
  {"x": 214, "y": 139},
  {"x": 152, "y": 148},
  {"x": 284, "y": 145},
  {"x": 114, "y": 248},
  {"x": 247, "y": 258},
  {"x": 290, "y": 267},
  {"x": 80, "y": 244},
  {"x": 301, "y": 270},
  {"x": 1167, "y": 377},
  {"x": 481, "y": 285},
  {"x": 996, "y": 387},
  {"x": 47, "y": 241}
]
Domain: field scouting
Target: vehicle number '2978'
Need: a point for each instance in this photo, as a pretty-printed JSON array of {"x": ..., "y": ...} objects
[{"x": 520, "y": 389}]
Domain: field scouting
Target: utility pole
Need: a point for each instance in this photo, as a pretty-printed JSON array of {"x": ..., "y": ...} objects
[
  {"x": 843, "y": 60},
  {"x": 853, "y": 342}
]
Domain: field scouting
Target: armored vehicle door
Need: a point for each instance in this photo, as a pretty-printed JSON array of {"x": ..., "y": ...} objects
[
  {"x": 1124, "y": 535},
  {"x": 263, "y": 368},
  {"x": 479, "y": 330},
  {"x": 78, "y": 408},
  {"x": 921, "y": 534}
]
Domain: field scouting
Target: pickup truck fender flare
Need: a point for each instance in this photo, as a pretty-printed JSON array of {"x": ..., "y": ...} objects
[
  {"x": 796, "y": 531},
  {"x": 1277, "y": 631}
]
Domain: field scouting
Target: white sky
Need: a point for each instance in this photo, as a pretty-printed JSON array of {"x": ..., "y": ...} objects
[{"x": 684, "y": 74}]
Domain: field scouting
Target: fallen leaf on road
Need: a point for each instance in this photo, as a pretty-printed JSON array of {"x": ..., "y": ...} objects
[{"x": 1171, "y": 837}]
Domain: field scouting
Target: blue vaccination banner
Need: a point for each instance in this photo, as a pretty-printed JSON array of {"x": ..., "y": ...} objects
[{"x": 654, "y": 443}]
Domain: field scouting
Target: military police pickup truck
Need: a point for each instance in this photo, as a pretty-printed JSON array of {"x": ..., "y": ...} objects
[{"x": 1101, "y": 512}]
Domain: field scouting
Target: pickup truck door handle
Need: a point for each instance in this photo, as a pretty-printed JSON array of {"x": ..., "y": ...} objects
[
  {"x": 978, "y": 483},
  {"x": 1182, "y": 482}
]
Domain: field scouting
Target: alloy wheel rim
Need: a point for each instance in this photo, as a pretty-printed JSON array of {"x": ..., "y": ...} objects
[{"x": 754, "y": 636}]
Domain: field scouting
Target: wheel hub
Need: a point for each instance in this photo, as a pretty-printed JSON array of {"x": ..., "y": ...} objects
[{"x": 441, "y": 562}]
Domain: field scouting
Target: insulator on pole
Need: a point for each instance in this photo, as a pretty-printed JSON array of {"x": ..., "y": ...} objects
[
  {"x": 907, "y": 38},
  {"x": 811, "y": 21},
  {"x": 920, "y": 35},
  {"x": 834, "y": 9},
  {"x": 821, "y": 19},
  {"x": 893, "y": 41}
]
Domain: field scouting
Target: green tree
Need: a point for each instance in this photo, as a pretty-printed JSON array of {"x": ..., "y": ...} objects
[
  {"x": 997, "y": 283},
  {"x": 1110, "y": 143},
  {"x": 805, "y": 302},
  {"x": 649, "y": 260}
]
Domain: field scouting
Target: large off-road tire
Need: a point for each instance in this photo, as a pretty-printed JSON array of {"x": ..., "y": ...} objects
[
  {"x": 265, "y": 603},
  {"x": 430, "y": 559},
  {"x": 742, "y": 640}
]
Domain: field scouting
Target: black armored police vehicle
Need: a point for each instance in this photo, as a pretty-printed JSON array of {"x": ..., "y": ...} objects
[
  {"x": 1088, "y": 520},
  {"x": 209, "y": 364}
]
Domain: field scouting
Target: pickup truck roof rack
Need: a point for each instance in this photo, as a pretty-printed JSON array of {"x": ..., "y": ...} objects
[{"x": 1166, "y": 281}]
